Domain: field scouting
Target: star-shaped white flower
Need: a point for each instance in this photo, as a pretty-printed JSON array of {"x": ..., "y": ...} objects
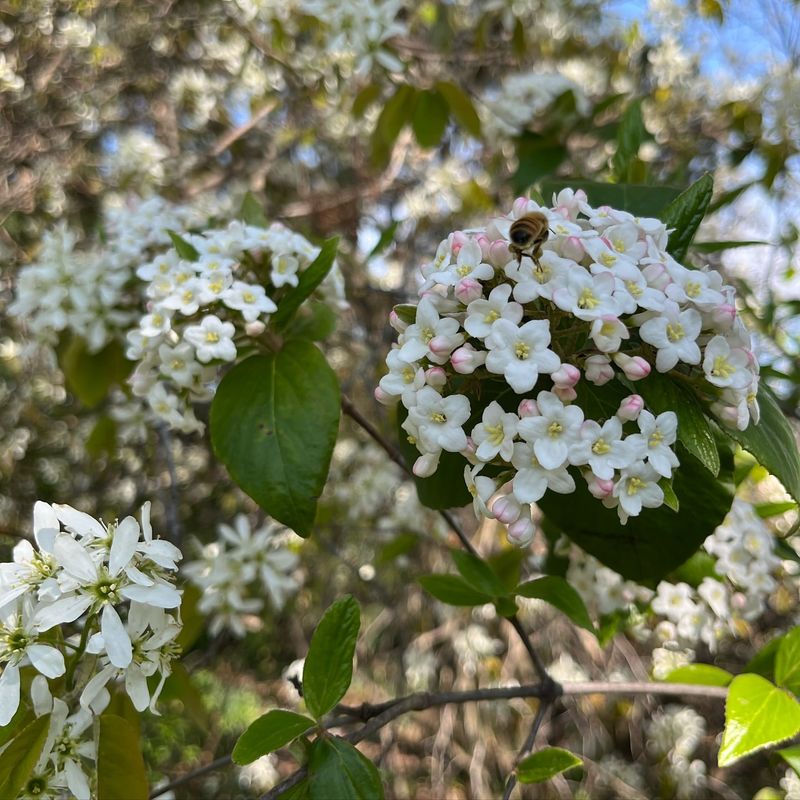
[{"x": 520, "y": 354}]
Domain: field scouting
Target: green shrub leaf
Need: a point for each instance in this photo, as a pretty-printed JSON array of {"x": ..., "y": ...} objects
[
  {"x": 701, "y": 674},
  {"x": 787, "y": 662},
  {"x": 328, "y": 667},
  {"x": 685, "y": 213},
  {"x": 546, "y": 764},
  {"x": 453, "y": 590},
  {"x": 270, "y": 732},
  {"x": 274, "y": 421},
  {"x": 338, "y": 771},
  {"x": 120, "y": 766},
  {"x": 558, "y": 593},
  {"x": 20, "y": 756}
]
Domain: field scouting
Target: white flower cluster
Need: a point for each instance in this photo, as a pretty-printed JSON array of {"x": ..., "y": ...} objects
[
  {"x": 526, "y": 96},
  {"x": 359, "y": 29},
  {"x": 673, "y": 734},
  {"x": 234, "y": 572},
  {"x": 603, "y": 298},
  {"x": 136, "y": 157},
  {"x": 90, "y": 291},
  {"x": 197, "y": 307},
  {"x": 76, "y": 581},
  {"x": 745, "y": 562}
]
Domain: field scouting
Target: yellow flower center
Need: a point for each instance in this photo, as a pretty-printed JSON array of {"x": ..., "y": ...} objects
[
  {"x": 212, "y": 337},
  {"x": 635, "y": 484},
  {"x": 522, "y": 350},
  {"x": 675, "y": 332},
  {"x": 491, "y": 317},
  {"x": 496, "y": 434},
  {"x": 587, "y": 299},
  {"x": 438, "y": 418},
  {"x": 555, "y": 430},
  {"x": 600, "y": 447},
  {"x": 693, "y": 289},
  {"x": 656, "y": 437},
  {"x": 722, "y": 368}
]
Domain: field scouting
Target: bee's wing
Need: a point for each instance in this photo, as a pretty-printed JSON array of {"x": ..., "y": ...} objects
[{"x": 499, "y": 228}]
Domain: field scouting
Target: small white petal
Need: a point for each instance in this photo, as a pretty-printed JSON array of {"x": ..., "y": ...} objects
[
  {"x": 161, "y": 595},
  {"x": 77, "y": 781},
  {"x": 81, "y": 523},
  {"x": 75, "y": 559},
  {"x": 67, "y": 609},
  {"x": 123, "y": 546},
  {"x": 117, "y": 641},
  {"x": 136, "y": 687},
  {"x": 9, "y": 693},
  {"x": 95, "y": 686},
  {"x": 46, "y": 659},
  {"x": 41, "y": 696}
]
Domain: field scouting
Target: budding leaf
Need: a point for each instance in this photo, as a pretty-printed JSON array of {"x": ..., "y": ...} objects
[
  {"x": 685, "y": 213},
  {"x": 184, "y": 249},
  {"x": 558, "y": 593},
  {"x": 700, "y": 674},
  {"x": 546, "y": 764},
  {"x": 270, "y": 732}
]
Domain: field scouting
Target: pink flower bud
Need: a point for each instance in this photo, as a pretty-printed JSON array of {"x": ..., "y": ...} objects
[
  {"x": 506, "y": 509},
  {"x": 467, "y": 359},
  {"x": 441, "y": 345},
  {"x": 499, "y": 254},
  {"x": 630, "y": 408},
  {"x": 467, "y": 290},
  {"x": 520, "y": 533},
  {"x": 635, "y": 368},
  {"x": 598, "y": 487},
  {"x": 383, "y": 398},
  {"x": 657, "y": 276},
  {"x": 566, "y": 375},
  {"x": 396, "y": 322},
  {"x": 573, "y": 248},
  {"x": 520, "y": 206},
  {"x": 738, "y": 601},
  {"x": 470, "y": 449},
  {"x": 483, "y": 242},
  {"x": 598, "y": 370},
  {"x": 722, "y": 317},
  {"x": 459, "y": 240},
  {"x": 426, "y": 465},
  {"x": 528, "y": 408},
  {"x": 566, "y": 394},
  {"x": 255, "y": 328},
  {"x": 436, "y": 377}
]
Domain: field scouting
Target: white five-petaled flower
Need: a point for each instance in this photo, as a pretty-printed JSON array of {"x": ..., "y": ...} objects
[
  {"x": 674, "y": 333},
  {"x": 602, "y": 448},
  {"x": 438, "y": 421},
  {"x": 726, "y": 366},
  {"x": 637, "y": 488},
  {"x": 481, "y": 488},
  {"x": 653, "y": 442},
  {"x": 212, "y": 339},
  {"x": 533, "y": 479},
  {"x": 404, "y": 379},
  {"x": 481, "y": 314},
  {"x": 520, "y": 353},
  {"x": 469, "y": 264},
  {"x": 427, "y": 327},
  {"x": 553, "y": 432},
  {"x": 494, "y": 435},
  {"x": 250, "y": 299}
]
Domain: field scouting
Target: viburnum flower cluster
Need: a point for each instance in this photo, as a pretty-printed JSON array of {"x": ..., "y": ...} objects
[
  {"x": 236, "y": 571},
  {"x": 201, "y": 310},
  {"x": 488, "y": 362},
  {"x": 90, "y": 604}
]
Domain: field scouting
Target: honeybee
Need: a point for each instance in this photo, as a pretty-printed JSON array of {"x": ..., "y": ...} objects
[{"x": 527, "y": 235}]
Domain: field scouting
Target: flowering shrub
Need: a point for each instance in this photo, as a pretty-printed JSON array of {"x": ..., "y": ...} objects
[
  {"x": 492, "y": 361},
  {"x": 180, "y": 343},
  {"x": 86, "y": 589}
]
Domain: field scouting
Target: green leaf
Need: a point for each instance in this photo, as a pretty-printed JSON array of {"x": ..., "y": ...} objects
[
  {"x": 446, "y": 487},
  {"x": 700, "y": 674},
  {"x": 791, "y": 755},
  {"x": 194, "y": 622},
  {"x": 430, "y": 118},
  {"x": 274, "y": 421},
  {"x": 546, "y": 764},
  {"x": 787, "y": 662},
  {"x": 685, "y": 213},
  {"x": 772, "y": 442},
  {"x": 659, "y": 540},
  {"x": 252, "y": 212},
  {"x": 670, "y": 498},
  {"x": 89, "y": 376},
  {"x": 337, "y": 771},
  {"x": 407, "y": 312},
  {"x": 537, "y": 157},
  {"x": 120, "y": 766},
  {"x": 461, "y": 107},
  {"x": 757, "y": 715},
  {"x": 763, "y": 662},
  {"x": 631, "y": 133},
  {"x": 694, "y": 569},
  {"x": 315, "y": 320},
  {"x": 102, "y": 438},
  {"x": 328, "y": 667},
  {"x": 767, "y": 510},
  {"x": 396, "y": 113},
  {"x": 273, "y": 730},
  {"x": 20, "y": 756},
  {"x": 661, "y": 394},
  {"x": 716, "y": 247},
  {"x": 310, "y": 278},
  {"x": 386, "y": 238},
  {"x": 641, "y": 200},
  {"x": 365, "y": 98},
  {"x": 300, "y": 791},
  {"x": 184, "y": 249},
  {"x": 453, "y": 590},
  {"x": 478, "y": 574},
  {"x": 558, "y": 593}
]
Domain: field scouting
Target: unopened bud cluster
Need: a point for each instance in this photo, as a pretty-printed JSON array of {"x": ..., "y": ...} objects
[{"x": 489, "y": 363}]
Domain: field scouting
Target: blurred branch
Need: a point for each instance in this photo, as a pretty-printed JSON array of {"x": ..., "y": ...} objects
[
  {"x": 541, "y": 712},
  {"x": 227, "y": 139},
  {"x": 173, "y": 500}
]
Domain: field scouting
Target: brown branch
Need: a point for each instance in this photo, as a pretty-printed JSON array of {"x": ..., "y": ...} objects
[
  {"x": 224, "y": 761},
  {"x": 227, "y": 139}
]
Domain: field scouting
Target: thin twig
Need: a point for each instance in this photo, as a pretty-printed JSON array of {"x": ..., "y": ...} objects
[
  {"x": 190, "y": 776},
  {"x": 233, "y": 135},
  {"x": 423, "y": 700},
  {"x": 526, "y": 748}
]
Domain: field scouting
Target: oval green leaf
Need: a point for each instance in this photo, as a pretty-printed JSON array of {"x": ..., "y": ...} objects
[
  {"x": 430, "y": 118},
  {"x": 700, "y": 674},
  {"x": 453, "y": 590},
  {"x": 120, "y": 766},
  {"x": 21, "y": 755},
  {"x": 787, "y": 662},
  {"x": 478, "y": 574},
  {"x": 461, "y": 107},
  {"x": 685, "y": 213},
  {"x": 274, "y": 422},
  {"x": 338, "y": 771},
  {"x": 757, "y": 715},
  {"x": 772, "y": 442},
  {"x": 328, "y": 667},
  {"x": 557, "y": 592},
  {"x": 546, "y": 764},
  {"x": 270, "y": 732}
]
